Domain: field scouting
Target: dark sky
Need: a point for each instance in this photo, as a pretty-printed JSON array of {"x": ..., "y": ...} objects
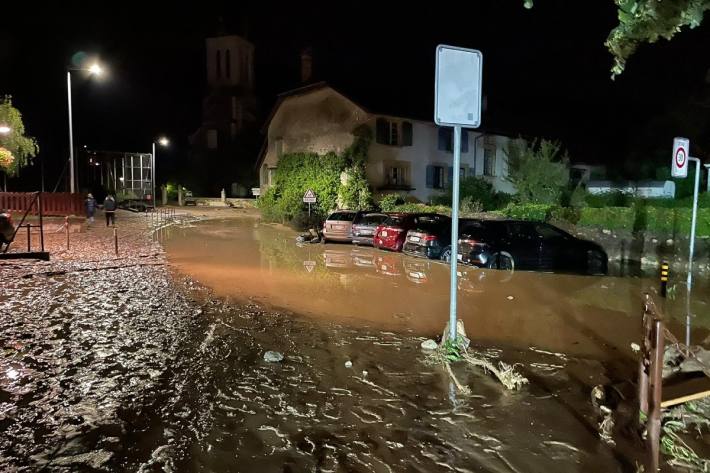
[{"x": 546, "y": 71}]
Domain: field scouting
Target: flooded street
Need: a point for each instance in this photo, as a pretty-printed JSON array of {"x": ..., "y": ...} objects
[
  {"x": 594, "y": 317},
  {"x": 127, "y": 365}
]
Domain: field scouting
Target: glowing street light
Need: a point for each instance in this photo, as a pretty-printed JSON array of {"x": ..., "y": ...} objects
[
  {"x": 164, "y": 142},
  {"x": 4, "y": 129},
  {"x": 94, "y": 70}
]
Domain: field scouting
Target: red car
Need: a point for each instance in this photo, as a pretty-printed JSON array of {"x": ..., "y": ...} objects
[{"x": 391, "y": 233}]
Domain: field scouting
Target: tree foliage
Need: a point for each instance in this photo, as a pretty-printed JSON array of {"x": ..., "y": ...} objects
[
  {"x": 298, "y": 172},
  {"x": 538, "y": 170},
  {"x": 645, "y": 21},
  {"x": 16, "y": 149}
]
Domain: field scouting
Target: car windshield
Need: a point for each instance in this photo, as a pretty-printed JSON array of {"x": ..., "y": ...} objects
[
  {"x": 342, "y": 216},
  {"x": 394, "y": 221}
]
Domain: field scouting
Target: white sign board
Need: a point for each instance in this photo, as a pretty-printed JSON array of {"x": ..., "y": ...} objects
[
  {"x": 309, "y": 197},
  {"x": 256, "y": 191},
  {"x": 681, "y": 148},
  {"x": 458, "y": 85}
]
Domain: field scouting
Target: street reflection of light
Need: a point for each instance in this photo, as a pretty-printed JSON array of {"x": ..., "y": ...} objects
[{"x": 12, "y": 373}]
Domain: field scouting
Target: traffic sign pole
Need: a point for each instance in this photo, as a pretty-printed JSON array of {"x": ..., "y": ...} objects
[
  {"x": 454, "y": 235},
  {"x": 691, "y": 250}
]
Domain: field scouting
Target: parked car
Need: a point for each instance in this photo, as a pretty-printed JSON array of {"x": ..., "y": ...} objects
[
  {"x": 430, "y": 237},
  {"x": 391, "y": 233},
  {"x": 364, "y": 227},
  {"x": 7, "y": 228},
  {"x": 512, "y": 244},
  {"x": 339, "y": 225}
]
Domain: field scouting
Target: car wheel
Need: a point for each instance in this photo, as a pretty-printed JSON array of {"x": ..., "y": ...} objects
[
  {"x": 502, "y": 260},
  {"x": 446, "y": 255},
  {"x": 595, "y": 263}
]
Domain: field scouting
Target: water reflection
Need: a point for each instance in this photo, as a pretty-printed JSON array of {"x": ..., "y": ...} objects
[{"x": 592, "y": 316}]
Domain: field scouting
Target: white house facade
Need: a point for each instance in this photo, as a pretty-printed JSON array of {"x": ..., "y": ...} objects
[{"x": 407, "y": 156}]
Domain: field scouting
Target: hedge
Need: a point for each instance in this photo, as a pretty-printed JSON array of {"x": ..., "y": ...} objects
[
  {"x": 541, "y": 212},
  {"x": 657, "y": 220},
  {"x": 612, "y": 218}
]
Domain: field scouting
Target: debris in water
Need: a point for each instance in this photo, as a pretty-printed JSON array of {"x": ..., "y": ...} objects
[
  {"x": 273, "y": 356},
  {"x": 510, "y": 298},
  {"x": 429, "y": 345},
  {"x": 635, "y": 347},
  {"x": 606, "y": 426},
  {"x": 364, "y": 374},
  {"x": 348, "y": 364}
]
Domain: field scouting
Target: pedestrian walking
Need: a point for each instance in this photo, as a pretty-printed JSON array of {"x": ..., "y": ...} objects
[
  {"x": 110, "y": 210},
  {"x": 90, "y": 208}
]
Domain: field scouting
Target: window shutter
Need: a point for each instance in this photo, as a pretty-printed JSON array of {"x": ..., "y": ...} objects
[
  {"x": 406, "y": 133},
  {"x": 442, "y": 139},
  {"x": 382, "y": 131},
  {"x": 430, "y": 176},
  {"x": 451, "y": 175},
  {"x": 464, "y": 141}
]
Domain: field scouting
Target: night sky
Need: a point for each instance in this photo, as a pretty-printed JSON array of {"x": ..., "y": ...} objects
[{"x": 546, "y": 70}]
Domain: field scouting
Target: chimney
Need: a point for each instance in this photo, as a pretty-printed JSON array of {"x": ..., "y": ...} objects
[{"x": 306, "y": 65}]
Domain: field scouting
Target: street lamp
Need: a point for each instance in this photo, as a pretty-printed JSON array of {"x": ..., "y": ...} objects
[
  {"x": 4, "y": 129},
  {"x": 164, "y": 142},
  {"x": 94, "y": 70}
]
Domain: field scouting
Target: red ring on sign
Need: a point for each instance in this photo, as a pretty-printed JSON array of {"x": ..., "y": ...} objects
[{"x": 680, "y": 157}]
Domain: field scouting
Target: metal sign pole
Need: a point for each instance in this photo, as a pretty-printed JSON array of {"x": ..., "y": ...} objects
[
  {"x": 692, "y": 245},
  {"x": 454, "y": 234}
]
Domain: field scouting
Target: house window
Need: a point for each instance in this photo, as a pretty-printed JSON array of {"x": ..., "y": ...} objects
[
  {"x": 396, "y": 176},
  {"x": 388, "y": 132},
  {"x": 212, "y": 139},
  {"x": 446, "y": 140},
  {"x": 271, "y": 175},
  {"x": 228, "y": 63},
  {"x": 489, "y": 161},
  {"x": 218, "y": 58}
]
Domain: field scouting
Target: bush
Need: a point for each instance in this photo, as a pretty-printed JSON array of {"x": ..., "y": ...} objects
[
  {"x": 303, "y": 221},
  {"x": 389, "y": 201},
  {"x": 538, "y": 171},
  {"x": 565, "y": 214},
  {"x": 421, "y": 208},
  {"x": 612, "y": 218},
  {"x": 298, "y": 172},
  {"x": 609, "y": 199},
  {"x": 537, "y": 212},
  {"x": 470, "y": 207},
  {"x": 476, "y": 189}
]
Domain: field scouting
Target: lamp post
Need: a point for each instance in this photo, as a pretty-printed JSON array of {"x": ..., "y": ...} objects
[
  {"x": 95, "y": 70},
  {"x": 164, "y": 142}
]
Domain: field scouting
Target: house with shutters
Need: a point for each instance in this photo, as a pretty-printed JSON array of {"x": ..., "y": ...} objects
[{"x": 409, "y": 156}]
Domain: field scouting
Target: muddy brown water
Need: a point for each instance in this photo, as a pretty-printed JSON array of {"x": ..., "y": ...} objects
[{"x": 594, "y": 317}]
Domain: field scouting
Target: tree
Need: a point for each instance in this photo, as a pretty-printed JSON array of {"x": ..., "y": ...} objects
[
  {"x": 16, "y": 149},
  {"x": 645, "y": 21},
  {"x": 538, "y": 171}
]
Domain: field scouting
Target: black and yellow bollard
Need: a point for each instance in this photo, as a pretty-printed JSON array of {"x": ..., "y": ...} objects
[{"x": 664, "y": 278}]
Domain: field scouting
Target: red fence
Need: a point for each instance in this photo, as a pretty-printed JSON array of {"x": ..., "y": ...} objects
[{"x": 53, "y": 203}]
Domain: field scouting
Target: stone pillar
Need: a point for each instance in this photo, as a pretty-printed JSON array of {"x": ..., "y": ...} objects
[
  {"x": 164, "y": 195},
  {"x": 180, "y": 198},
  {"x": 223, "y": 196}
]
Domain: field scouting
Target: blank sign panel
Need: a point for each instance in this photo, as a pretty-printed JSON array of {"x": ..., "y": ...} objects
[{"x": 458, "y": 87}]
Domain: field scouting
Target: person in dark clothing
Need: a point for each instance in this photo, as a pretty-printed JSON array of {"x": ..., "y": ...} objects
[
  {"x": 110, "y": 210},
  {"x": 90, "y": 208}
]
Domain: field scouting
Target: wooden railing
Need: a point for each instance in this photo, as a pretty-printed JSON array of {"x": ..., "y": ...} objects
[{"x": 53, "y": 203}]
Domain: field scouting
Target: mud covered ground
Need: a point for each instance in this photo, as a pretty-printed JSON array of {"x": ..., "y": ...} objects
[{"x": 121, "y": 364}]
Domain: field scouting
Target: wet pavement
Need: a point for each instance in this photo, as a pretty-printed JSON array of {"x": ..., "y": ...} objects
[{"x": 120, "y": 364}]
